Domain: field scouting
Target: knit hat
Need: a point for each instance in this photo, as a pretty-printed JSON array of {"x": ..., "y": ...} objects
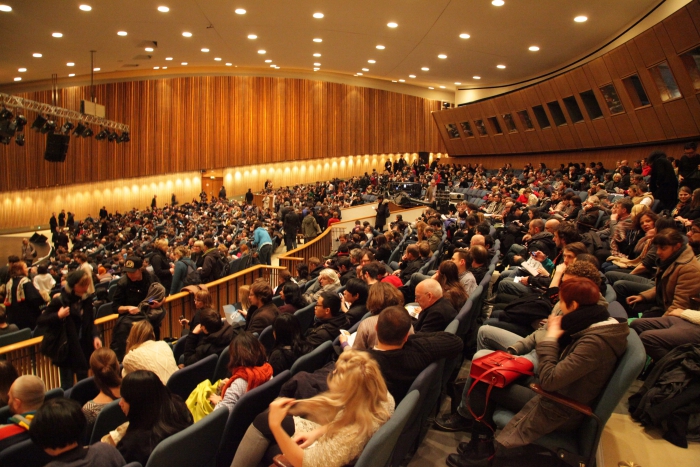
[{"x": 74, "y": 277}]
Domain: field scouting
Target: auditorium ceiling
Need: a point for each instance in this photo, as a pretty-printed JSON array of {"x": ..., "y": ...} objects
[{"x": 440, "y": 44}]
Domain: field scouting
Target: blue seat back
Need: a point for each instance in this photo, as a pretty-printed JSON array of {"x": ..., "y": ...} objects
[
  {"x": 15, "y": 337},
  {"x": 184, "y": 380},
  {"x": 24, "y": 454},
  {"x": 306, "y": 317},
  {"x": 313, "y": 360},
  {"x": 83, "y": 391},
  {"x": 267, "y": 339},
  {"x": 221, "y": 371},
  {"x": 109, "y": 418}
]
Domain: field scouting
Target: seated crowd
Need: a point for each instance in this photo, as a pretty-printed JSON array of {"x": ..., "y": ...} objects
[{"x": 562, "y": 258}]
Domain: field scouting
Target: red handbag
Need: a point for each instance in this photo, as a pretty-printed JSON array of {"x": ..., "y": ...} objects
[{"x": 497, "y": 369}]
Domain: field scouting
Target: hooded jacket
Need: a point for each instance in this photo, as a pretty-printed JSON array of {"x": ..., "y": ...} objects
[
  {"x": 326, "y": 329},
  {"x": 677, "y": 282}
]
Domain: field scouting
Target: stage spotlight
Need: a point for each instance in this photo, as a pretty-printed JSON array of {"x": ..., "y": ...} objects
[
  {"x": 112, "y": 137},
  {"x": 20, "y": 139},
  {"x": 19, "y": 122},
  {"x": 5, "y": 114},
  {"x": 67, "y": 127},
  {"x": 9, "y": 127},
  {"x": 102, "y": 134},
  {"x": 79, "y": 129},
  {"x": 124, "y": 138},
  {"x": 38, "y": 123},
  {"x": 87, "y": 133},
  {"x": 5, "y": 140},
  {"x": 49, "y": 127}
]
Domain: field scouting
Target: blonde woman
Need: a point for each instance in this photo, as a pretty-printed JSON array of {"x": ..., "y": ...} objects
[
  {"x": 197, "y": 254},
  {"x": 328, "y": 430},
  {"x": 143, "y": 352}
]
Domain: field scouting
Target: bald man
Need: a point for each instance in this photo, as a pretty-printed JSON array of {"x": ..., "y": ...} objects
[
  {"x": 26, "y": 395},
  {"x": 478, "y": 239},
  {"x": 551, "y": 226},
  {"x": 436, "y": 312}
]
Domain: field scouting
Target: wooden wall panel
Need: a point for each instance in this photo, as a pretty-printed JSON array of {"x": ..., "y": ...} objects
[
  {"x": 681, "y": 30},
  {"x": 649, "y": 47},
  {"x": 192, "y": 123}
]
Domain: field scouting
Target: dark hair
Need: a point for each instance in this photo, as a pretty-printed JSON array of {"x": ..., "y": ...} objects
[
  {"x": 568, "y": 233},
  {"x": 483, "y": 228},
  {"x": 692, "y": 145},
  {"x": 626, "y": 203},
  {"x": 8, "y": 375},
  {"x": 246, "y": 350},
  {"x": 332, "y": 301},
  {"x": 262, "y": 290},
  {"x": 287, "y": 331},
  {"x": 210, "y": 319},
  {"x": 42, "y": 269},
  {"x": 668, "y": 237},
  {"x": 303, "y": 271},
  {"x": 106, "y": 371},
  {"x": 393, "y": 325},
  {"x": 479, "y": 254},
  {"x": 58, "y": 423},
  {"x": 579, "y": 289},
  {"x": 357, "y": 287},
  {"x": 372, "y": 269},
  {"x": 209, "y": 243},
  {"x": 637, "y": 221},
  {"x": 292, "y": 295},
  {"x": 154, "y": 413}
]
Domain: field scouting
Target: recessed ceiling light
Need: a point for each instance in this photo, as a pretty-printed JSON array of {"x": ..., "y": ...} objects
[
  {"x": 205, "y": 50},
  {"x": 183, "y": 63},
  {"x": 149, "y": 49},
  {"x": 500, "y": 66},
  {"x": 365, "y": 69},
  {"x": 318, "y": 39},
  {"x": 402, "y": 81},
  {"x": 533, "y": 48},
  {"x": 581, "y": 19},
  {"x": 71, "y": 75},
  {"x": 156, "y": 68},
  {"x": 239, "y": 11},
  {"x": 381, "y": 47},
  {"x": 411, "y": 76},
  {"x": 187, "y": 34},
  {"x": 371, "y": 61},
  {"x": 317, "y": 55},
  {"x": 442, "y": 87},
  {"x": 498, "y": 3},
  {"x": 70, "y": 64},
  {"x": 18, "y": 79},
  {"x": 163, "y": 9},
  {"x": 358, "y": 74},
  {"x": 268, "y": 61},
  {"x": 458, "y": 83},
  {"x": 277, "y": 68},
  {"x": 57, "y": 34},
  {"x": 95, "y": 69},
  {"x": 317, "y": 64},
  {"x": 229, "y": 64},
  {"x": 252, "y": 36},
  {"x": 262, "y": 52},
  {"x": 22, "y": 70},
  {"x": 318, "y": 15},
  {"x": 165, "y": 67},
  {"x": 121, "y": 33},
  {"x": 430, "y": 87},
  {"x": 464, "y": 36},
  {"x": 442, "y": 56},
  {"x": 36, "y": 55},
  {"x": 392, "y": 25},
  {"x": 476, "y": 77},
  {"x": 5, "y": 8},
  {"x": 85, "y": 7},
  {"x": 425, "y": 68},
  {"x": 316, "y": 69},
  {"x": 394, "y": 81},
  {"x": 168, "y": 58},
  {"x": 273, "y": 65},
  {"x": 218, "y": 59}
]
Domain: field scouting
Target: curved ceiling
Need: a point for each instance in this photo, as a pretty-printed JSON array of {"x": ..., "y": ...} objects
[{"x": 285, "y": 30}]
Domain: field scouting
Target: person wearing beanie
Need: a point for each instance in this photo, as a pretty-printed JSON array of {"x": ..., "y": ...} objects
[{"x": 71, "y": 314}]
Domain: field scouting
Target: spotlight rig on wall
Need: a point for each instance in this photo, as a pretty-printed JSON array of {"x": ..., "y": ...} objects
[{"x": 45, "y": 122}]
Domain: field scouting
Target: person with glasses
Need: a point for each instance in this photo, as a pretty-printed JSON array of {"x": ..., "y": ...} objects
[{"x": 329, "y": 320}]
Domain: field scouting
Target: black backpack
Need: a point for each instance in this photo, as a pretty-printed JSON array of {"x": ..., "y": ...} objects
[
  {"x": 192, "y": 276},
  {"x": 526, "y": 309}
]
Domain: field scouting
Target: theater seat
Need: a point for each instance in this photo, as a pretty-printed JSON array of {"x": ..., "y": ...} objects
[{"x": 184, "y": 380}]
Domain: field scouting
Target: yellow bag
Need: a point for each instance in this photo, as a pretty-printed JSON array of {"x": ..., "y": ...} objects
[{"x": 198, "y": 401}]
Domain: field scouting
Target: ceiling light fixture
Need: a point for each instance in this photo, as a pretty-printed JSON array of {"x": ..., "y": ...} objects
[
  {"x": 442, "y": 56},
  {"x": 121, "y": 33},
  {"x": 411, "y": 76},
  {"x": 71, "y": 75},
  {"x": 458, "y": 83},
  {"x": 317, "y": 64},
  {"x": 533, "y": 48},
  {"x": 262, "y": 52},
  {"x": 183, "y": 63},
  {"x": 36, "y": 55},
  {"x": 252, "y": 36},
  {"x": 18, "y": 79},
  {"x": 317, "y": 55},
  {"x": 102, "y": 135},
  {"x": 501, "y": 67},
  {"x": 318, "y": 39},
  {"x": 358, "y": 74},
  {"x": 112, "y": 137},
  {"x": 5, "y": 8},
  {"x": 318, "y": 15},
  {"x": 95, "y": 69},
  {"x": 163, "y": 9},
  {"x": 85, "y": 7},
  {"x": 67, "y": 127},
  {"x": 57, "y": 34},
  {"x": 268, "y": 61},
  {"x": 381, "y": 47},
  {"x": 149, "y": 49},
  {"x": 425, "y": 68},
  {"x": 19, "y": 139},
  {"x": 165, "y": 67},
  {"x": 316, "y": 69},
  {"x": 464, "y": 36},
  {"x": 273, "y": 65},
  {"x": 430, "y": 87},
  {"x": 402, "y": 81},
  {"x": 38, "y": 123},
  {"x": 392, "y": 25},
  {"x": 70, "y": 64},
  {"x": 476, "y": 77},
  {"x": 205, "y": 50},
  {"x": 22, "y": 70},
  {"x": 371, "y": 61},
  {"x": 156, "y": 68},
  {"x": 218, "y": 59},
  {"x": 365, "y": 69},
  {"x": 581, "y": 19},
  {"x": 498, "y": 3},
  {"x": 442, "y": 87},
  {"x": 394, "y": 81},
  {"x": 187, "y": 34},
  {"x": 229, "y": 64},
  {"x": 168, "y": 58},
  {"x": 239, "y": 11}
]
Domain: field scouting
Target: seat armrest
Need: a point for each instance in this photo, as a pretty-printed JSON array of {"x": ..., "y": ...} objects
[
  {"x": 584, "y": 409},
  {"x": 281, "y": 461}
]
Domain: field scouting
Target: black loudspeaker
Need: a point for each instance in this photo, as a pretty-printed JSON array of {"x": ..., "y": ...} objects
[
  {"x": 56, "y": 147},
  {"x": 38, "y": 238},
  {"x": 424, "y": 157}
]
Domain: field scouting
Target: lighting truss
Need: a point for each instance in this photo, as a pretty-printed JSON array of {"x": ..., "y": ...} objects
[{"x": 46, "y": 109}]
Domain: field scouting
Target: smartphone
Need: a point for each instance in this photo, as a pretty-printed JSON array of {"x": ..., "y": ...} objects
[
  {"x": 151, "y": 301},
  {"x": 341, "y": 296}
]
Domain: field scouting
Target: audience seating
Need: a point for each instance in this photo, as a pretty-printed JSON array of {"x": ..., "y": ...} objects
[
  {"x": 83, "y": 391},
  {"x": 24, "y": 454},
  {"x": 195, "y": 446},
  {"x": 51, "y": 394},
  {"x": 179, "y": 348},
  {"x": 306, "y": 317},
  {"x": 314, "y": 359},
  {"x": 267, "y": 339},
  {"x": 617, "y": 311},
  {"x": 221, "y": 371},
  {"x": 15, "y": 337},
  {"x": 184, "y": 380},
  {"x": 109, "y": 418},
  {"x": 244, "y": 412},
  {"x": 104, "y": 310},
  {"x": 578, "y": 448}
]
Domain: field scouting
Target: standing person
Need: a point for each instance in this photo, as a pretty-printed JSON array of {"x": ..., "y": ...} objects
[
  {"x": 23, "y": 300},
  {"x": 81, "y": 259},
  {"x": 310, "y": 227},
  {"x": 173, "y": 200},
  {"x": 292, "y": 225},
  {"x": 663, "y": 182},
  {"x": 263, "y": 242},
  {"x": 211, "y": 266},
  {"x": 183, "y": 266},
  {"x": 62, "y": 218},
  {"x": 53, "y": 223},
  {"x": 72, "y": 313},
  {"x": 161, "y": 264},
  {"x": 222, "y": 192},
  {"x": 153, "y": 202},
  {"x": 382, "y": 213},
  {"x": 249, "y": 197},
  {"x": 28, "y": 252}
]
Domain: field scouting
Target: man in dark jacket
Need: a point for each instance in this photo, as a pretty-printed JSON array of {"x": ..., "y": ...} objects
[
  {"x": 292, "y": 225},
  {"x": 663, "y": 182},
  {"x": 382, "y": 214},
  {"x": 210, "y": 337},
  {"x": 262, "y": 312},
  {"x": 211, "y": 268},
  {"x": 436, "y": 312},
  {"x": 410, "y": 263},
  {"x": 329, "y": 320}
]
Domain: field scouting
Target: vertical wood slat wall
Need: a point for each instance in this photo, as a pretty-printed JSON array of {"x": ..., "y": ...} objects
[
  {"x": 660, "y": 121},
  {"x": 193, "y": 123}
]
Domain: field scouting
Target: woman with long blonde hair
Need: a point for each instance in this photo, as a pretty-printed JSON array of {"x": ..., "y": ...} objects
[{"x": 328, "y": 430}]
